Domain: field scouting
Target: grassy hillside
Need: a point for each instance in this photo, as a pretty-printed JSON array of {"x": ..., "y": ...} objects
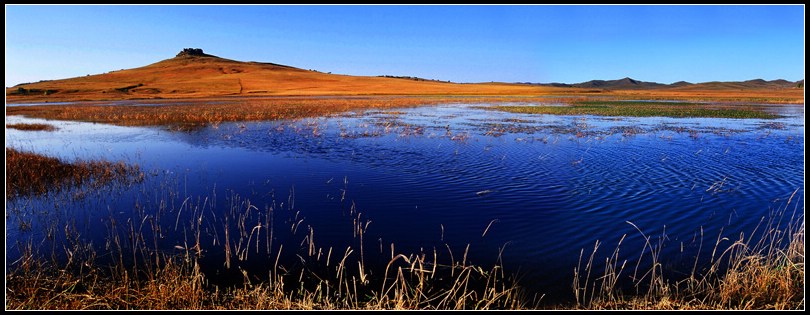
[
  {"x": 206, "y": 76},
  {"x": 200, "y": 75}
]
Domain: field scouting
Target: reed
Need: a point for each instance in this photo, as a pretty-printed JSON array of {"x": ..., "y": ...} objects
[
  {"x": 165, "y": 255},
  {"x": 184, "y": 116},
  {"x": 31, "y": 127},
  {"x": 160, "y": 257},
  {"x": 761, "y": 270},
  {"x": 31, "y": 173}
]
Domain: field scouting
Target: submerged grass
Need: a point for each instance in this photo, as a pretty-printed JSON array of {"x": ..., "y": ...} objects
[
  {"x": 645, "y": 109},
  {"x": 31, "y": 127}
]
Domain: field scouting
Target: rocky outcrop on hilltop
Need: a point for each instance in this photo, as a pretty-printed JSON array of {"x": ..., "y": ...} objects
[{"x": 191, "y": 52}]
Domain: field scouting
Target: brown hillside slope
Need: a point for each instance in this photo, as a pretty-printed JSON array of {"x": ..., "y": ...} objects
[
  {"x": 191, "y": 76},
  {"x": 194, "y": 74}
]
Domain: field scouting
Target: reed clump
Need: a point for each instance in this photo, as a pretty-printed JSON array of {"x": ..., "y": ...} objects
[
  {"x": 169, "y": 257},
  {"x": 166, "y": 254},
  {"x": 31, "y": 127},
  {"x": 31, "y": 173},
  {"x": 761, "y": 270}
]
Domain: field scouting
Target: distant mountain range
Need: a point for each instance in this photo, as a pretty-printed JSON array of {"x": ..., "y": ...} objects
[{"x": 632, "y": 84}]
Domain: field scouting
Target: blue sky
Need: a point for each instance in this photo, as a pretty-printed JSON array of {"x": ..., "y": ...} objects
[{"x": 458, "y": 43}]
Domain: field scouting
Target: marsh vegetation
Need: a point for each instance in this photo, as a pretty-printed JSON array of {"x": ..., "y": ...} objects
[
  {"x": 33, "y": 174},
  {"x": 32, "y": 127},
  {"x": 647, "y": 109},
  {"x": 379, "y": 203}
]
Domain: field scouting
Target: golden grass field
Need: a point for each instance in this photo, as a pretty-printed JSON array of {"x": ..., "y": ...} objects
[
  {"x": 202, "y": 76},
  {"x": 209, "y": 76},
  {"x": 229, "y": 90}
]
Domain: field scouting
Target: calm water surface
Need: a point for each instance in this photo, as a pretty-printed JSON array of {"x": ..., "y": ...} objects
[{"x": 543, "y": 187}]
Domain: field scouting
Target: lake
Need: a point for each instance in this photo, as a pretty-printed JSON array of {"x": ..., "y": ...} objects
[{"x": 528, "y": 191}]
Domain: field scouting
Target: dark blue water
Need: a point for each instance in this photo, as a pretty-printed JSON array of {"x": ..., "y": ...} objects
[{"x": 528, "y": 191}]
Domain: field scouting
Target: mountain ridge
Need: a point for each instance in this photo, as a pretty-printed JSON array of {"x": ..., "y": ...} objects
[{"x": 628, "y": 83}]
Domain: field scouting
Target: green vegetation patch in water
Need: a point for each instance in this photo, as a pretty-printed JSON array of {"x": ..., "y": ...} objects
[{"x": 644, "y": 109}]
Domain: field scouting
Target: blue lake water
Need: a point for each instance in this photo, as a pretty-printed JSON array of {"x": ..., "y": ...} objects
[{"x": 530, "y": 191}]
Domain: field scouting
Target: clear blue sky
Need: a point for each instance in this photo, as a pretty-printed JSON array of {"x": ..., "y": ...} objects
[{"x": 458, "y": 43}]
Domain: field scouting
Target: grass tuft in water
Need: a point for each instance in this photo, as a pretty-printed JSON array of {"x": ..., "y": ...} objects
[
  {"x": 34, "y": 174},
  {"x": 31, "y": 127}
]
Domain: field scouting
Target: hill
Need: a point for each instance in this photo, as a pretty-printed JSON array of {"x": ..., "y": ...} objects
[
  {"x": 742, "y": 85},
  {"x": 632, "y": 84},
  {"x": 193, "y": 73}
]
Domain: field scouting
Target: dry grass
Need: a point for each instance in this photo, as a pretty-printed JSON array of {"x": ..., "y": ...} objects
[
  {"x": 764, "y": 270},
  {"x": 244, "y": 109},
  {"x": 31, "y": 127},
  {"x": 761, "y": 270},
  {"x": 185, "y": 77},
  {"x": 179, "y": 285},
  {"x": 135, "y": 271},
  {"x": 30, "y": 173},
  {"x": 202, "y": 77},
  {"x": 190, "y": 114},
  {"x": 749, "y": 273}
]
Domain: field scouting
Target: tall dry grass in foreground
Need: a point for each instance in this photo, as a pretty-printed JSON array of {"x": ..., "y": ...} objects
[
  {"x": 763, "y": 270},
  {"x": 156, "y": 257},
  {"x": 81, "y": 283}
]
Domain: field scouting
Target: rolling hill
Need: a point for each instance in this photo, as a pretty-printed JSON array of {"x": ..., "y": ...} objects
[
  {"x": 192, "y": 73},
  {"x": 195, "y": 74},
  {"x": 632, "y": 84}
]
